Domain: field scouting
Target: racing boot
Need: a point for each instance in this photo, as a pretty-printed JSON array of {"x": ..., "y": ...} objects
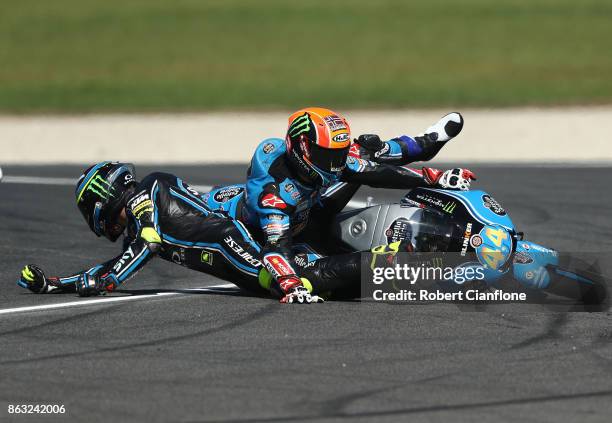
[
  {"x": 438, "y": 134},
  {"x": 445, "y": 129}
]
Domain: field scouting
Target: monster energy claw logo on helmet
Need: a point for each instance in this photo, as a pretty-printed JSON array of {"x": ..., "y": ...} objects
[
  {"x": 300, "y": 125},
  {"x": 100, "y": 186}
]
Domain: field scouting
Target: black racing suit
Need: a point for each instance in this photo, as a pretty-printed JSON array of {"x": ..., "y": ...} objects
[{"x": 168, "y": 218}]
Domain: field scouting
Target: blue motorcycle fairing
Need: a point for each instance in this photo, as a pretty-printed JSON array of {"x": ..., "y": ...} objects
[
  {"x": 531, "y": 264},
  {"x": 493, "y": 246},
  {"x": 481, "y": 206}
]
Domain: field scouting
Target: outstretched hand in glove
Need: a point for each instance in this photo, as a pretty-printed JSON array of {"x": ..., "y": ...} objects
[{"x": 458, "y": 178}]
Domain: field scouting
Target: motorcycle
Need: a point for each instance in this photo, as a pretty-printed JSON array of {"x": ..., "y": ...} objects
[{"x": 471, "y": 224}]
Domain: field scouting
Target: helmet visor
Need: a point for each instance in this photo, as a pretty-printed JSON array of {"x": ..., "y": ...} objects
[{"x": 327, "y": 159}]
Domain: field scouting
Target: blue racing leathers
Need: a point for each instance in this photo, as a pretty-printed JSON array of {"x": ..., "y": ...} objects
[{"x": 276, "y": 205}]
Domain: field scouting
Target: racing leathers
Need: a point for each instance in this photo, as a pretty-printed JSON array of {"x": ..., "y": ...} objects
[
  {"x": 277, "y": 206},
  {"x": 167, "y": 218},
  {"x": 371, "y": 154}
]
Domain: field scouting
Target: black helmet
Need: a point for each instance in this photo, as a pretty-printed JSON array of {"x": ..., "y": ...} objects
[{"x": 102, "y": 192}]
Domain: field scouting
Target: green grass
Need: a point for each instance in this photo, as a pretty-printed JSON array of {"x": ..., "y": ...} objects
[{"x": 150, "y": 55}]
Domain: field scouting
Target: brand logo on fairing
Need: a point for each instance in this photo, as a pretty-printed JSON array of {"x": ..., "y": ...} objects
[
  {"x": 490, "y": 203},
  {"x": 522, "y": 258},
  {"x": 408, "y": 202},
  {"x": 476, "y": 241},
  {"x": 431, "y": 200},
  {"x": 466, "y": 238},
  {"x": 449, "y": 207},
  {"x": 399, "y": 230}
]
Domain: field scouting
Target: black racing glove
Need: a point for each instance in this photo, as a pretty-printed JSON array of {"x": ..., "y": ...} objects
[
  {"x": 93, "y": 285},
  {"x": 33, "y": 278},
  {"x": 372, "y": 147}
]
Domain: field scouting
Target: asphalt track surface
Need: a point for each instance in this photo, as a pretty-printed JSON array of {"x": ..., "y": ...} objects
[{"x": 219, "y": 355}]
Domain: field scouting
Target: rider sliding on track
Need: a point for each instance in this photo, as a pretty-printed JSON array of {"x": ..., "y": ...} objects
[
  {"x": 162, "y": 215},
  {"x": 315, "y": 168}
]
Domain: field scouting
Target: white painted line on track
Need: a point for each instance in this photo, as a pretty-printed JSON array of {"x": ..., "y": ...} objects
[
  {"x": 36, "y": 180},
  {"x": 105, "y": 300}
]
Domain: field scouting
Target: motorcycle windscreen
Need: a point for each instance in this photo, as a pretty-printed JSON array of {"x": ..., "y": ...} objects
[{"x": 434, "y": 232}]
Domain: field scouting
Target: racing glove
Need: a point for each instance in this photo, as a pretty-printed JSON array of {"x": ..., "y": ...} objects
[
  {"x": 457, "y": 178},
  {"x": 289, "y": 283},
  {"x": 300, "y": 295},
  {"x": 372, "y": 144},
  {"x": 295, "y": 292},
  {"x": 34, "y": 279},
  {"x": 91, "y": 286}
]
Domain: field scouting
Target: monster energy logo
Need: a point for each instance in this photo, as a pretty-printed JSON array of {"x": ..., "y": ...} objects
[
  {"x": 100, "y": 186},
  {"x": 300, "y": 126},
  {"x": 449, "y": 207},
  {"x": 436, "y": 262}
]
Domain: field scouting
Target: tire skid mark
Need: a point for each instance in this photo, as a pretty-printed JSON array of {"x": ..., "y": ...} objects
[
  {"x": 72, "y": 317},
  {"x": 263, "y": 311},
  {"x": 335, "y": 406},
  {"x": 551, "y": 332},
  {"x": 423, "y": 409}
]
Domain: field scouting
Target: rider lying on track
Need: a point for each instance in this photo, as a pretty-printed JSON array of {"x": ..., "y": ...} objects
[
  {"x": 161, "y": 215},
  {"x": 316, "y": 170}
]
